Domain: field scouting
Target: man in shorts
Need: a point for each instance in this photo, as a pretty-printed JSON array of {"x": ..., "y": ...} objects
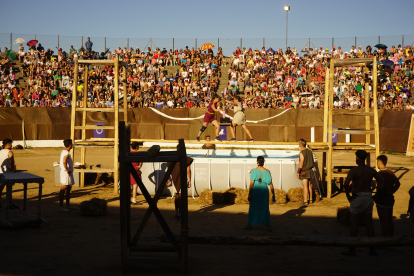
[
  {"x": 176, "y": 180},
  {"x": 361, "y": 200},
  {"x": 7, "y": 166},
  {"x": 66, "y": 176}
]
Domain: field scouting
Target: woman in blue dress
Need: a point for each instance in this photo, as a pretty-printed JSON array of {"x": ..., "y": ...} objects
[{"x": 260, "y": 179}]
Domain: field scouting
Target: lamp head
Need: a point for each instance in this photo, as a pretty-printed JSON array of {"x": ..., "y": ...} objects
[{"x": 286, "y": 8}]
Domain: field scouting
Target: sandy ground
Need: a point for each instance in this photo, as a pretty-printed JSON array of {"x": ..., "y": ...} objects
[{"x": 71, "y": 244}]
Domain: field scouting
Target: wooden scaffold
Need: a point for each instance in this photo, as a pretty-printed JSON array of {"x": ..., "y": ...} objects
[
  {"x": 89, "y": 144},
  {"x": 130, "y": 246},
  {"x": 330, "y": 147}
]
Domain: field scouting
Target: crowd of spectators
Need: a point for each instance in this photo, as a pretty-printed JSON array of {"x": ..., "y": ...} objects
[{"x": 263, "y": 78}]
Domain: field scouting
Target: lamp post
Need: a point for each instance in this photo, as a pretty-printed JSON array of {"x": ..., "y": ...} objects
[{"x": 287, "y": 9}]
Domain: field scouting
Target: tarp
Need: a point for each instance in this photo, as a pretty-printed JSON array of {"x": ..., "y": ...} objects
[
  {"x": 60, "y": 118},
  {"x": 10, "y": 124},
  {"x": 37, "y": 123},
  {"x": 394, "y": 130}
]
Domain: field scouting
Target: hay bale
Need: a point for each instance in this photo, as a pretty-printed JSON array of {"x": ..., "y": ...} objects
[
  {"x": 344, "y": 216},
  {"x": 93, "y": 207},
  {"x": 295, "y": 194},
  {"x": 280, "y": 196},
  {"x": 208, "y": 197}
]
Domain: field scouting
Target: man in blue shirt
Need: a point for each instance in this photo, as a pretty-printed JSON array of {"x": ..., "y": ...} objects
[{"x": 89, "y": 44}]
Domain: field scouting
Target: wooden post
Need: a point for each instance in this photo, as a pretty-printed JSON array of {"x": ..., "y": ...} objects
[
  {"x": 374, "y": 94},
  {"x": 325, "y": 109},
  {"x": 184, "y": 206},
  {"x": 323, "y": 167},
  {"x": 84, "y": 101},
  {"x": 330, "y": 115},
  {"x": 367, "y": 118},
  {"x": 74, "y": 95},
  {"x": 23, "y": 135},
  {"x": 116, "y": 80},
  {"x": 124, "y": 80},
  {"x": 124, "y": 196}
]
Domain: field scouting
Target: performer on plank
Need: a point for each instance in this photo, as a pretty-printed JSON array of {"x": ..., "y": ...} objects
[
  {"x": 137, "y": 167},
  {"x": 239, "y": 118},
  {"x": 305, "y": 171},
  {"x": 176, "y": 180},
  {"x": 209, "y": 117}
]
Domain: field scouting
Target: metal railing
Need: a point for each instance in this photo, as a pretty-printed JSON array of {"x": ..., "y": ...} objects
[{"x": 227, "y": 44}]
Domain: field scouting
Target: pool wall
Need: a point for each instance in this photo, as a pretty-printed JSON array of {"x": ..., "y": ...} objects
[{"x": 222, "y": 169}]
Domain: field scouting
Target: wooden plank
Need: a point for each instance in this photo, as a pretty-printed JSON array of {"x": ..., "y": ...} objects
[
  {"x": 366, "y": 114},
  {"x": 367, "y": 119},
  {"x": 96, "y": 109},
  {"x": 352, "y": 62},
  {"x": 73, "y": 111},
  {"x": 375, "y": 97},
  {"x": 116, "y": 123},
  {"x": 301, "y": 240},
  {"x": 85, "y": 97},
  {"x": 157, "y": 195},
  {"x": 330, "y": 122},
  {"x": 325, "y": 110},
  {"x": 94, "y": 127},
  {"x": 353, "y": 131},
  {"x": 91, "y": 143}
]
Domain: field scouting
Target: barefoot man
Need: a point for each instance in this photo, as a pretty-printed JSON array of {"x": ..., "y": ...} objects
[
  {"x": 361, "y": 200},
  {"x": 176, "y": 180},
  {"x": 209, "y": 117}
]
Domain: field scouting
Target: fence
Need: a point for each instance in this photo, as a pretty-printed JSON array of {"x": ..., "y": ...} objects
[{"x": 227, "y": 44}]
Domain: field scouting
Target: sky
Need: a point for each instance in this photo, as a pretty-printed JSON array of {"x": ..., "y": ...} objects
[{"x": 207, "y": 21}]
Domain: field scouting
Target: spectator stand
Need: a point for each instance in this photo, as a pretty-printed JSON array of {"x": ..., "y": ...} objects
[
  {"x": 128, "y": 245},
  {"x": 88, "y": 144},
  {"x": 328, "y": 120}
]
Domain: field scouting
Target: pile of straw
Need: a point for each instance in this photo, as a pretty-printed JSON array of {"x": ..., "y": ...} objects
[
  {"x": 236, "y": 196},
  {"x": 295, "y": 194},
  {"x": 93, "y": 207},
  {"x": 208, "y": 197},
  {"x": 280, "y": 196}
]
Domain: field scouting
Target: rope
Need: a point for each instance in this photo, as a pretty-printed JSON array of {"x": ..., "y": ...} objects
[{"x": 202, "y": 116}]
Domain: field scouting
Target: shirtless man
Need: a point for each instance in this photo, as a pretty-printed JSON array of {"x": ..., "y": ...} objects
[{"x": 361, "y": 200}]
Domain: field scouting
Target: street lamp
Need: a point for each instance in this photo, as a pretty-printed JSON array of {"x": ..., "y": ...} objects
[{"x": 287, "y": 9}]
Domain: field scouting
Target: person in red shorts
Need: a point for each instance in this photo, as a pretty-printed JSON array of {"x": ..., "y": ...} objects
[
  {"x": 137, "y": 167},
  {"x": 209, "y": 118}
]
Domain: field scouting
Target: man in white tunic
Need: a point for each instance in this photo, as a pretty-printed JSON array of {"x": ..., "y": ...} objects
[{"x": 66, "y": 176}]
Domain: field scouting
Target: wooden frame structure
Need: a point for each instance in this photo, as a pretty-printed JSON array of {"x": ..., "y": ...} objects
[
  {"x": 328, "y": 118},
  {"x": 129, "y": 245},
  {"x": 85, "y": 144}
]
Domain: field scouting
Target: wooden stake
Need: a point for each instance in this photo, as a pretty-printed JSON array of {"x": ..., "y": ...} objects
[
  {"x": 116, "y": 123},
  {"x": 367, "y": 118},
  {"x": 325, "y": 109},
  {"x": 374, "y": 93},
  {"x": 23, "y": 135},
  {"x": 74, "y": 96},
  {"x": 84, "y": 100},
  {"x": 330, "y": 115}
]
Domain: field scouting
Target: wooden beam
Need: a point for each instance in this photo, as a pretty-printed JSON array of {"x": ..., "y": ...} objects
[
  {"x": 330, "y": 121},
  {"x": 184, "y": 205},
  {"x": 84, "y": 104},
  {"x": 116, "y": 123},
  {"x": 94, "y": 127},
  {"x": 73, "y": 111},
  {"x": 325, "y": 109},
  {"x": 300, "y": 240},
  {"x": 125, "y": 95},
  {"x": 365, "y": 114},
  {"x": 352, "y": 62},
  {"x": 353, "y": 131},
  {"x": 367, "y": 119},
  {"x": 375, "y": 96}
]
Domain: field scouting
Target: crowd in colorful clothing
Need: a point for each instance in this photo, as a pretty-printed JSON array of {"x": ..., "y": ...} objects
[{"x": 263, "y": 78}]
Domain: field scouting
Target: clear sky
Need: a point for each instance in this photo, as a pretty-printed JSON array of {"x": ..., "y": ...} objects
[{"x": 208, "y": 20}]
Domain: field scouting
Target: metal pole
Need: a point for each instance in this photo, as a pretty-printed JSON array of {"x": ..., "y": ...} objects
[
  {"x": 196, "y": 44},
  {"x": 105, "y": 43},
  {"x": 82, "y": 42},
  {"x": 58, "y": 41},
  {"x": 218, "y": 43},
  {"x": 402, "y": 45},
  {"x": 309, "y": 42},
  {"x": 379, "y": 39},
  {"x": 128, "y": 43},
  {"x": 355, "y": 42},
  {"x": 333, "y": 42},
  {"x": 10, "y": 45},
  {"x": 35, "y": 36},
  {"x": 241, "y": 43},
  {"x": 287, "y": 12},
  {"x": 263, "y": 42}
]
